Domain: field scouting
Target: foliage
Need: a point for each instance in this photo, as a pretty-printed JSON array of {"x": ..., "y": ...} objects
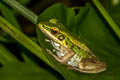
[{"x": 88, "y": 24}]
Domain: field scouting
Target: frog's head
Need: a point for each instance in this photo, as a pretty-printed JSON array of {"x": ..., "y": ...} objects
[{"x": 52, "y": 31}]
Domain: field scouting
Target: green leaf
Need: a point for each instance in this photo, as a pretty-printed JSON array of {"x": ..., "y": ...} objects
[
  {"x": 94, "y": 30},
  {"x": 24, "y": 71},
  {"x": 66, "y": 18}
]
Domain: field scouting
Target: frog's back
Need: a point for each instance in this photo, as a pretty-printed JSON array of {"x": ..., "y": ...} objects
[{"x": 78, "y": 47}]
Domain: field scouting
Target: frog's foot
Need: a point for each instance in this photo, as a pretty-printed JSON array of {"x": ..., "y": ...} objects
[
  {"x": 91, "y": 65},
  {"x": 54, "y": 50},
  {"x": 47, "y": 40}
]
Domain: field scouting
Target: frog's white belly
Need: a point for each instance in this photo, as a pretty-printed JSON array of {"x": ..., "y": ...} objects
[{"x": 74, "y": 60}]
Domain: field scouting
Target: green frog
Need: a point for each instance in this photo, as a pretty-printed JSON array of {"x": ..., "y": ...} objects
[{"x": 69, "y": 50}]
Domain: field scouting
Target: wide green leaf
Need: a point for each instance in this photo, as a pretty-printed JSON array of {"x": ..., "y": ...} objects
[{"x": 91, "y": 27}]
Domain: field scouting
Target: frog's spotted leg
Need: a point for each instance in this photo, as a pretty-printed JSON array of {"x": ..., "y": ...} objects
[{"x": 63, "y": 59}]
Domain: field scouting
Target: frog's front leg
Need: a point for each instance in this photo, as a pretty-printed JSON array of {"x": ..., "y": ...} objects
[
  {"x": 64, "y": 58},
  {"x": 56, "y": 57},
  {"x": 47, "y": 40}
]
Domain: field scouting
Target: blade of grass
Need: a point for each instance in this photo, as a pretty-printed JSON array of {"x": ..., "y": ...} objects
[
  {"x": 11, "y": 16},
  {"x": 23, "y": 10},
  {"x": 107, "y": 17},
  {"x": 6, "y": 55},
  {"x": 21, "y": 38}
]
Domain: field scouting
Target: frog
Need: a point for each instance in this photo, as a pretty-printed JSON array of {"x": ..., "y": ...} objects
[{"x": 69, "y": 50}]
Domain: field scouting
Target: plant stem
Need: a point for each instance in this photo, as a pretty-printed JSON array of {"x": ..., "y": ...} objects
[
  {"x": 107, "y": 17},
  {"x": 23, "y": 10}
]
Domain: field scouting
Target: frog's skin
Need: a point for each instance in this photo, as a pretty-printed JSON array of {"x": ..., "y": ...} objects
[{"x": 68, "y": 50}]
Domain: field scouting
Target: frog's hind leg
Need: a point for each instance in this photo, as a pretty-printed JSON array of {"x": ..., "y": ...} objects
[
  {"x": 80, "y": 70},
  {"x": 56, "y": 57},
  {"x": 75, "y": 68},
  {"x": 84, "y": 70},
  {"x": 63, "y": 59}
]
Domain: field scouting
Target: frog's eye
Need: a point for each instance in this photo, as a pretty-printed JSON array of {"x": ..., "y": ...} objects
[
  {"x": 54, "y": 30},
  {"x": 42, "y": 25},
  {"x": 61, "y": 37}
]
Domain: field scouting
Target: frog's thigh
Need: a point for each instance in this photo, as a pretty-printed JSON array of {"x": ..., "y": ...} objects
[
  {"x": 75, "y": 68},
  {"x": 68, "y": 55},
  {"x": 56, "y": 57}
]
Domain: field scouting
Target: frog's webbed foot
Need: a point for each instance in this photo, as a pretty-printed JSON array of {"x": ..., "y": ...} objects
[
  {"x": 47, "y": 40},
  {"x": 54, "y": 50}
]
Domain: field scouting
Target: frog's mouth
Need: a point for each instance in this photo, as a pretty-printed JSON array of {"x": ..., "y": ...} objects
[{"x": 49, "y": 35}]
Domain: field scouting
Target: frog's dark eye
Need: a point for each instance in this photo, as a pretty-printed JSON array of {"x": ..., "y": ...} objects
[
  {"x": 61, "y": 37},
  {"x": 54, "y": 30}
]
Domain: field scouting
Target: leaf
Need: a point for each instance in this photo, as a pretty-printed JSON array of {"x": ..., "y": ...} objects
[
  {"x": 24, "y": 71},
  {"x": 91, "y": 27}
]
